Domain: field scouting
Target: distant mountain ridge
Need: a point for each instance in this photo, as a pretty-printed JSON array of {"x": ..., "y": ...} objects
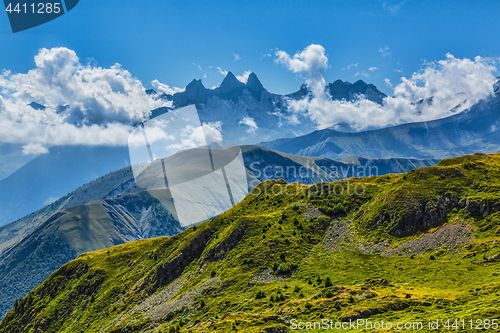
[
  {"x": 476, "y": 129},
  {"x": 234, "y": 101},
  {"x": 63, "y": 169}
]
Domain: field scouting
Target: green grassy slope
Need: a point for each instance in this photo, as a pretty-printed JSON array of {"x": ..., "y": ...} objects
[
  {"x": 407, "y": 248},
  {"x": 29, "y": 255}
]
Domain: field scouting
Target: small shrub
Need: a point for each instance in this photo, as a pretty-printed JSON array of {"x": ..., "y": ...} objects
[
  {"x": 329, "y": 294},
  {"x": 308, "y": 306},
  {"x": 260, "y": 294},
  {"x": 285, "y": 268},
  {"x": 328, "y": 282}
]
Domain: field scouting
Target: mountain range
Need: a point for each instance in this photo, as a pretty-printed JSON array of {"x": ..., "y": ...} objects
[
  {"x": 233, "y": 102},
  {"x": 473, "y": 130},
  {"x": 51, "y": 176},
  {"x": 113, "y": 210},
  {"x": 424, "y": 242}
]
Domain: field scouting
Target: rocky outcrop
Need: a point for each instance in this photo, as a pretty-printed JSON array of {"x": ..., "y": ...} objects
[
  {"x": 219, "y": 252},
  {"x": 431, "y": 213},
  {"x": 423, "y": 216},
  {"x": 173, "y": 268}
]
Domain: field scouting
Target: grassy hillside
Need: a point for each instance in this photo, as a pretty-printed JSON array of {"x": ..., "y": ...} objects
[
  {"x": 409, "y": 248},
  {"x": 113, "y": 209}
]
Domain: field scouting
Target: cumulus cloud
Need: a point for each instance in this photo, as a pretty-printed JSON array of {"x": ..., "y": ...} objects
[
  {"x": 84, "y": 104},
  {"x": 311, "y": 60},
  {"x": 438, "y": 90},
  {"x": 34, "y": 149},
  {"x": 244, "y": 77},
  {"x": 163, "y": 88},
  {"x": 236, "y": 56},
  {"x": 373, "y": 69},
  {"x": 197, "y": 136},
  {"x": 252, "y": 126}
]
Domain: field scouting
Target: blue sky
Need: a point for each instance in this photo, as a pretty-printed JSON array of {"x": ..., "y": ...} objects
[{"x": 168, "y": 40}]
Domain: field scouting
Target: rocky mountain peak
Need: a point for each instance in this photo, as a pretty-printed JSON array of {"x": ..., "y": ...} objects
[
  {"x": 254, "y": 83},
  {"x": 340, "y": 90},
  {"x": 255, "y": 86},
  {"x": 230, "y": 83},
  {"x": 195, "y": 84}
]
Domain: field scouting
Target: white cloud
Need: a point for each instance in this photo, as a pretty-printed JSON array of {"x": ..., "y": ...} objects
[
  {"x": 311, "y": 60},
  {"x": 244, "y": 77},
  {"x": 393, "y": 8},
  {"x": 384, "y": 51},
  {"x": 252, "y": 126},
  {"x": 450, "y": 82},
  {"x": 34, "y": 149},
  {"x": 362, "y": 74},
  {"x": 349, "y": 66},
  {"x": 236, "y": 56},
  {"x": 85, "y": 104},
  {"x": 266, "y": 55},
  {"x": 373, "y": 69},
  {"x": 193, "y": 137},
  {"x": 163, "y": 88},
  {"x": 50, "y": 200},
  {"x": 221, "y": 71}
]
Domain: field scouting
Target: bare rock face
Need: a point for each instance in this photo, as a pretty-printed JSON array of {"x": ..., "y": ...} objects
[
  {"x": 477, "y": 207},
  {"x": 431, "y": 213},
  {"x": 425, "y": 216},
  {"x": 219, "y": 252},
  {"x": 172, "y": 269}
]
